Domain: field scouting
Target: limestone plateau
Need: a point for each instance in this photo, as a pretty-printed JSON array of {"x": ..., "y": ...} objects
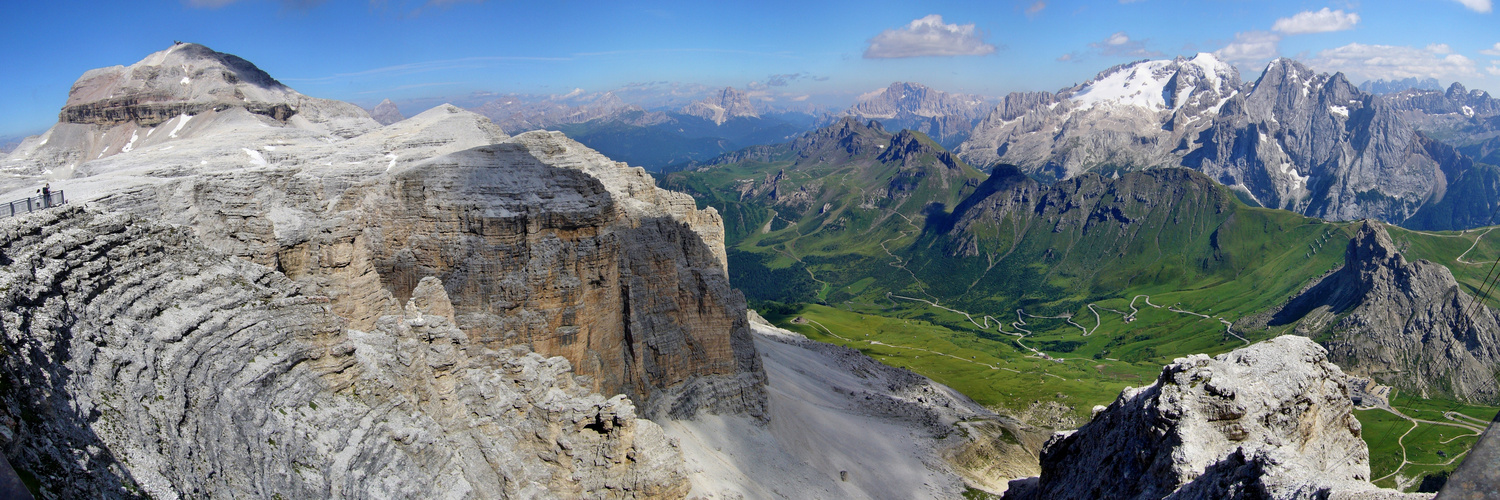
[{"x": 257, "y": 293}]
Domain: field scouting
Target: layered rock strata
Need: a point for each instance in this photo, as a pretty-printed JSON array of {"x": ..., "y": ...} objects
[
  {"x": 141, "y": 363},
  {"x": 1271, "y": 420},
  {"x": 185, "y": 91},
  {"x": 539, "y": 240}
]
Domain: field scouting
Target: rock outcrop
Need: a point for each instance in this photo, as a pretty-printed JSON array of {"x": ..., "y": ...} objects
[
  {"x": 141, "y": 363},
  {"x": 425, "y": 260},
  {"x": 586, "y": 259},
  {"x": 1272, "y": 420},
  {"x": 539, "y": 241},
  {"x": 1405, "y": 324}
]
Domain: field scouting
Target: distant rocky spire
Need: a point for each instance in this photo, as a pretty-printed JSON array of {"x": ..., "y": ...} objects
[{"x": 386, "y": 113}]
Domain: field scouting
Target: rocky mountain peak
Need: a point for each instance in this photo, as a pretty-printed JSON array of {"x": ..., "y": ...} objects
[
  {"x": 907, "y": 143},
  {"x": 1372, "y": 247},
  {"x": 387, "y": 113},
  {"x": 183, "y": 71},
  {"x": 909, "y": 148},
  {"x": 1406, "y": 324},
  {"x": 184, "y": 74},
  {"x": 914, "y": 99},
  {"x": 719, "y": 108},
  {"x": 847, "y": 137},
  {"x": 1457, "y": 91},
  {"x": 1383, "y": 86},
  {"x": 1273, "y": 418}
]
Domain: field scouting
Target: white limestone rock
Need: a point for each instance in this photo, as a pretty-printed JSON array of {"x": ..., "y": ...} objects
[{"x": 1271, "y": 420}]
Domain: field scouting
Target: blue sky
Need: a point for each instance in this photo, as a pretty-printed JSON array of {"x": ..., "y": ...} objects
[{"x": 364, "y": 51}]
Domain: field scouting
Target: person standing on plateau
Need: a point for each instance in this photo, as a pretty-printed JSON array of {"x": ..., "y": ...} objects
[{"x": 47, "y": 195}]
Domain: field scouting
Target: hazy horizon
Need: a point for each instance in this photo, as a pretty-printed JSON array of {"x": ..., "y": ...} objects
[{"x": 782, "y": 52}]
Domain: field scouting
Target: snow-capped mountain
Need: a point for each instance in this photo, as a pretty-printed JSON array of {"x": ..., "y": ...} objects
[
  {"x": 1293, "y": 139},
  {"x": 1134, "y": 114}
]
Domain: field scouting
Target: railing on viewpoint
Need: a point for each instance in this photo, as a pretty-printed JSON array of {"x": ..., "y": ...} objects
[{"x": 32, "y": 204}]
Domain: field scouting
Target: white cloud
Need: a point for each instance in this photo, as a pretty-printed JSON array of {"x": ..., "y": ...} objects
[
  {"x": 1392, "y": 62},
  {"x": 928, "y": 36},
  {"x": 1322, "y": 21},
  {"x": 1035, "y": 8},
  {"x": 1120, "y": 44},
  {"x": 1477, "y": 5},
  {"x": 1251, "y": 46},
  {"x": 1492, "y": 51}
]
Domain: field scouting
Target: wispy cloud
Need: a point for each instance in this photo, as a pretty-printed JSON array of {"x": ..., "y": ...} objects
[
  {"x": 783, "y": 55},
  {"x": 1481, "y": 6},
  {"x": 405, "y": 8},
  {"x": 408, "y": 87},
  {"x": 1321, "y": 21},
  {"x": 1120, "y": 44},
  {"x": 1395, "y": 62},
  {"x": 928, "y": 36},
  {"x": 287, "y": 4},
  {"x": 1035, "y": 9},
  {"x": 1251, "y": 46},
  {"x": 1492, "y": 51}
]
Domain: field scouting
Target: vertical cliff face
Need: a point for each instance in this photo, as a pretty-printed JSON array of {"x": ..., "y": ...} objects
[
  {"x": 1272, "y": 420},
  {"x": 1406, "y": 324},
  {"x": 141, "y": 363},
  {"x": 589, "y": 261},
  {"x": 539, "y": 241}
]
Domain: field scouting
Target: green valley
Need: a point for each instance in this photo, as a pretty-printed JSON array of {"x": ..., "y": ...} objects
[{"x": 1041, "y": 301}]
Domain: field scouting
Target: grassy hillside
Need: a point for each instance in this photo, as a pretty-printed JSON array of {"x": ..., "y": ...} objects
[{"x": 1044, "y": 301}]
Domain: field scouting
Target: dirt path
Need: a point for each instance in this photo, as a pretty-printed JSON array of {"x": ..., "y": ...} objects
[
  {"x": 1459, "y": 420},
  {"x": 1460, "y": 257}
]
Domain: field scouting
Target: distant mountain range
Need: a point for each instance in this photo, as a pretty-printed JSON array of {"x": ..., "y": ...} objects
[
  {"x": 946, "y": 118},
  {"x": 1293, "y": 139},
  {"x": 1383, "y": 86}
]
